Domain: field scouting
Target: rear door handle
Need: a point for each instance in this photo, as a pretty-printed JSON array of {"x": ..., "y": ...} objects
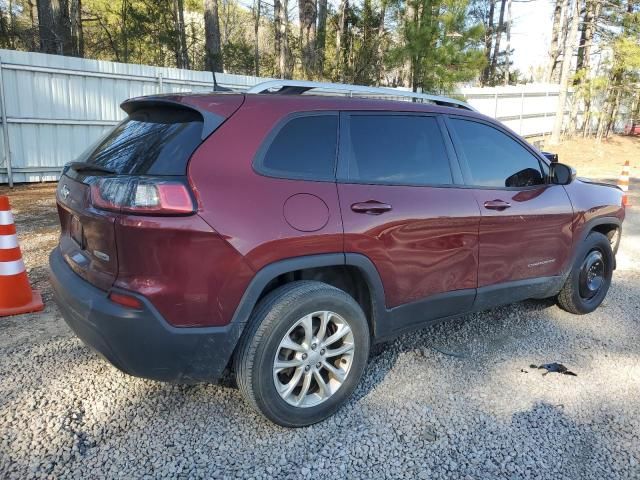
[
  {"x": 496, "y": 205},
  {"x": 371, "y": 207}
]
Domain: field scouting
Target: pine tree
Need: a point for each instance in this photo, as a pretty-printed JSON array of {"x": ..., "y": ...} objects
[{"x": 441, "y": 47}]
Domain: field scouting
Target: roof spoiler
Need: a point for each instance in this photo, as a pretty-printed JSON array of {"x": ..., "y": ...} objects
[{"x": 211, "y": 121}]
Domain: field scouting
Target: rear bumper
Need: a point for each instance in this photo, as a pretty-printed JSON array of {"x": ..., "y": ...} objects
[{"x": 140, "y": 342}]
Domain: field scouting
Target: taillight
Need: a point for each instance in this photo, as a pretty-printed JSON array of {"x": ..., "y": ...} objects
[
  {"x": 128, "y": 301},
  {"x": 142, "y": 195}
]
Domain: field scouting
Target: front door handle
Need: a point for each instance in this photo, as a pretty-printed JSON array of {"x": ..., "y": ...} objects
[
  {"x": 496, "y": 205},
  {"x": 371, "y": 207}
]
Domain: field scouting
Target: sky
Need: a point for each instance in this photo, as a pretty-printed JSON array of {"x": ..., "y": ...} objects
[{"x": 531, "y": 33}]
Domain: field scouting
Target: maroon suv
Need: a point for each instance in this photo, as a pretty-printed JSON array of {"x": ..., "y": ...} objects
[{"x": 279, "y": 236}]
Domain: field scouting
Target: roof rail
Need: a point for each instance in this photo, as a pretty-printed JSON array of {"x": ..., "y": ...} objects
[{"x": 298, "y": 87}]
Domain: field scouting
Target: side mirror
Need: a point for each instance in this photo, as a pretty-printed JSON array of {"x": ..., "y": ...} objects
[
  {"x": 552, "y": 157},
  {"x": 561, "y": 174}
]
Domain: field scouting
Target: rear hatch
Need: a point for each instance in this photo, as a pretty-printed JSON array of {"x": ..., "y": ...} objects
[{"x": 139, "y": 168}]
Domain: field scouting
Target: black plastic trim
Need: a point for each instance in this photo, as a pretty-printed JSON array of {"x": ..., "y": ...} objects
[
  {"x": 587, "y": 228},
  {"x": 273, "y": 270},
  {"x": 505, "y": 293},
  {"x": 388, "y": 323},
  {"x": 140, "y": 342},
  {"x": 211, "y": 121}
]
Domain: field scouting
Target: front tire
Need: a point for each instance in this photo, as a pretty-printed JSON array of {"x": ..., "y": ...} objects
[
  {"x": 590, "y": 277},
  {"x": 303, "y": 354}
]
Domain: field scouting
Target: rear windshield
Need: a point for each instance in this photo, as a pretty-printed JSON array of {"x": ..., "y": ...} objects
[{"x": 154, "y": 141}]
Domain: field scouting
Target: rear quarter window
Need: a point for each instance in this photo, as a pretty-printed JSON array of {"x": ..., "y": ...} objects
[
  {"x": 304, "y": 147},
  {"x": 153, "y": 141}
]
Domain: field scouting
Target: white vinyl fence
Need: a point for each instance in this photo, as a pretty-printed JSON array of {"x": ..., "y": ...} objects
[{"x": 53, "y": 107}]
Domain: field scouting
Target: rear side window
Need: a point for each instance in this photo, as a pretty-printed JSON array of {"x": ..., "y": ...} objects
[
  {"x": 304, "y": 148},
  {"x": 155, "y": 141},
  {"x": 397, "y": 149},
  {"x": 493, "y": 158}
]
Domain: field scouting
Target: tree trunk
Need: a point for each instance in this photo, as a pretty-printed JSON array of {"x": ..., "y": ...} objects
[
  {"x": 496, "y": 46},
  {"x": 507, "y": 51},
  {"x": 212, "y": 47},
  {"x": 183, "y": 36},
  {"x": 341, "y": 40},
  {"x": 307, "y": 17},
  {"x": 45, "y": 27},
  {"x": 410, "y": 17},
  {"x": 380, "y": 59},
  {"x": 585, "y": 14},
  {"x": 63, "y": 27},
  {"x": 592, "y": 12},
  {"x": 284, "y": 57},
  {"x": 488, "y": 43},
  {"x": 5, "y": 30},
  {"x": 10, "y": 30},
  {"x": 611, "y": 105},
  {"x": 277, "y": 7},
  {"x": 181, "y": 53},
  {"x": 586, "y": 65},
  {"x": 124, "y": 32},
  {"x": 256, "y": 31},
  {"x": 322, "y": 35},
  {"x": 77, "y": 34},
  {"x": 560, "y": 11},
  {"x": 636, "y": 112},
  {"x": 582, "y": 65},
  {"x": 33, "y": 37},
  {"x": 565, "y": 73},
  {"x": 614, "y": 111}
]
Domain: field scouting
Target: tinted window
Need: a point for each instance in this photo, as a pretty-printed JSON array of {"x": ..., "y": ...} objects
[
  {"x": 397, "y": 149},
  {"x": 304, "y": 148},
  {"x": 151, "y": 141},
  {"x": 495, "y": 159}
]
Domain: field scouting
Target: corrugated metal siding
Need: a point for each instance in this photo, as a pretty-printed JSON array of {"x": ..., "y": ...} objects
[
  {"x": 58, "y": 106},
  {"x": 529, "y": 110}
]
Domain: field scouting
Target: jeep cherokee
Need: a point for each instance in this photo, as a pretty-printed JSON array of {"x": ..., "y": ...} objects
[{"x": 280, "y": 236}]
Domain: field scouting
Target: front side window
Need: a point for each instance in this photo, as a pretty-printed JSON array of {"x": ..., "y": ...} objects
[
  {"x": 304, "y": 148},
  {"x": 493, "y": 158},
  {"x": 397, "y": 149}
]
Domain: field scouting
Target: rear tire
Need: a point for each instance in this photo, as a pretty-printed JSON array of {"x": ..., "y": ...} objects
[
  {"x": 590, "y": 277},
  {"x": 303, "y": 353}
]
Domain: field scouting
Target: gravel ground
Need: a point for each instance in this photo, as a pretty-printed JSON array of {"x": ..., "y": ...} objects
[{"x": 455, "y": 401}]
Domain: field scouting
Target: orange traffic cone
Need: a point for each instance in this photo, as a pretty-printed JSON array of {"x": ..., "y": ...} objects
[
  {"x": 623, "y": 183},
  {"x": 16, "y": 295}
]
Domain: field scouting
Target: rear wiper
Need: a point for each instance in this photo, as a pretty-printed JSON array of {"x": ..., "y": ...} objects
[{"x": 89, "y": 167}]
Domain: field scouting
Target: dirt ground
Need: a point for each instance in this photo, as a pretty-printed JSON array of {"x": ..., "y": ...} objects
[{"x": 602, "y": 160}]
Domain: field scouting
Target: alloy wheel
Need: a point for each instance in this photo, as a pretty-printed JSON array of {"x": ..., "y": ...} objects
[{"x": 313, "y": 359}]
